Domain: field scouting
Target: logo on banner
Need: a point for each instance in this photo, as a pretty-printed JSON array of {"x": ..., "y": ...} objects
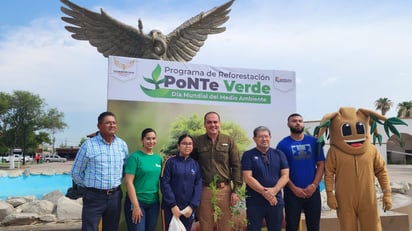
[
  {"x": 123, "y": 69},
  {"x": 197, "y": 85},
  {"x": 283, "y": 84}
]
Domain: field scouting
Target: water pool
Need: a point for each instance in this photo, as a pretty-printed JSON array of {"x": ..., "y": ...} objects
[
  {"x": 321, "y": 186},
  {"x": 34, "y": 185},
  {"x": 38, "y": 185}
]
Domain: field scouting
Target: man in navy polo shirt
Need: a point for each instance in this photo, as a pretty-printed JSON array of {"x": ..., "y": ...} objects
[{"x": 265, "y": 171}]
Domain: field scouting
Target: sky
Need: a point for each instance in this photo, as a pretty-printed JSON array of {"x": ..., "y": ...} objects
[{"x": 344, "y": 53}]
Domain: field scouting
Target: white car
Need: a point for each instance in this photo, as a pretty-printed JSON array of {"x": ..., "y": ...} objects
[
  {"x": 27, "y": 158},
  {"x": 17, "y": 157},
  {"x": 53, "y": 158}
]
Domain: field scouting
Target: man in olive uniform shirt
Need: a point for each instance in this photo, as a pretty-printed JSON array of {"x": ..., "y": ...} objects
[{"x": 217, "y": 155}]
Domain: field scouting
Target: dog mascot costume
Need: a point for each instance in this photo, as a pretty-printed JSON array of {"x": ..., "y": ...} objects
[{"x": 352, "y": 162}]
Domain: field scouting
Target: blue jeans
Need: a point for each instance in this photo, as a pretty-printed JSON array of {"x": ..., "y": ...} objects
[
  {"x": 96, "y": 206},
  {"x": 311, "y": 207},
  {"x": 149, "y": 219}
]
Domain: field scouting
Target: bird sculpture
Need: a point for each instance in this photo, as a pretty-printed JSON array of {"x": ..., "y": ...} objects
[{"x": 112, "y": 37}]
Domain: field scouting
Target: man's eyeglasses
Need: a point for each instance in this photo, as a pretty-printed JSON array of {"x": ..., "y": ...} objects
[{"x": 265, "y": 159}]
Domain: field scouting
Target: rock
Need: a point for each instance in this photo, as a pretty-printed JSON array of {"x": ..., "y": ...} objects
[
  {"x": 20, "y": 219},
  {"x": 68, "y": 209},
  {"x": 48, "y": 218},
  {"x": 40, "y": 207},
  {"x": 5, "y": 209},
  {"x": 53, "y": 196},
  {"x": 15, "y": 202},
  {"x": 26, "y": 172},
  {"x": 401, "y": 187},
  {"x": 26, "y": 198}
]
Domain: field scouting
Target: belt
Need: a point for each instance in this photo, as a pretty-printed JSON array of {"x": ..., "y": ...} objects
[
  {"x": 218, "y": 184},
  {"x": 104, "y": 191}
]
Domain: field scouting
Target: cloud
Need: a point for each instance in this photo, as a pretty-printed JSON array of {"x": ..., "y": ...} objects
[
  {"x": 340, "y": 58},
  {"x": 41, "y": 58}
]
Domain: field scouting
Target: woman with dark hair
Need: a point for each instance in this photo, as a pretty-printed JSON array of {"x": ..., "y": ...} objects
[
  {"x": 142, "y": 174},
  {"x": 181, "y": 185}
]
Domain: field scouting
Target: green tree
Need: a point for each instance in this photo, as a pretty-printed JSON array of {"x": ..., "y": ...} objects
[
  {"x": 4, "y": 107},
  {"x": 404, "y": 109},
  {"x": 23, "y": 121},
  {"x": 384, "y": 105},
  {"x": 53, "y": 122},
  {"x": 42, "y": 137},
  {"x": 194, "y": 127},
  {"x": 23, "y": 117}
]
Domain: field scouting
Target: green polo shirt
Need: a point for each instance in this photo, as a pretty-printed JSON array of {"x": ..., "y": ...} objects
[{"x": 146, "y": 170}]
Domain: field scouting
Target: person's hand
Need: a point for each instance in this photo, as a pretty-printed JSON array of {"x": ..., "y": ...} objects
[
  {"x": 387, "y": 201},
  {"x": 267, "y": 194},
  {"x": 176, "y": 211},
  {"x": 309, "y": 190},
  {"x": 270, "y": 195},
  {"x": 234, "y": 199},
  {"x": 273, "y": 201},
  {"x": 299, "y": 192},
  {"x": 136, "y": 215},
  {"x": 187, "y": 212},
  {"x": 332, "y": 203}
]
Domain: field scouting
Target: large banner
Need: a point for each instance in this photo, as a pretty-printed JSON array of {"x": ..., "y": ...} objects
[{"x": 172, "y": 98}]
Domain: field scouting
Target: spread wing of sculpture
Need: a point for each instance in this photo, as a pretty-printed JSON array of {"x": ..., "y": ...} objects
[
  {"x": 112, "y": 37},
  {"x": 353, "y": 162}
]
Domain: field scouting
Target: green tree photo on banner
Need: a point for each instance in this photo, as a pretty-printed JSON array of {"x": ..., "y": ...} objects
[{"x": 194, "y": 126}]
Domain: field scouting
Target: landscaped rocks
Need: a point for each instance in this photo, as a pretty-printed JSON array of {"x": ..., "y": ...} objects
[
  {"x": 5, "y": 209},
  {"x": 40, "y": 207},
  {"x": 48, "y": 218},
  {"x": 53, "y": 196},
  {"x": 15, "y": 202},
  {"x": 400, "y": 187},
  {"x": 53, "y": 207},
  {"x": 20, "y": 219},
  {"x": 68, "y": 209}
]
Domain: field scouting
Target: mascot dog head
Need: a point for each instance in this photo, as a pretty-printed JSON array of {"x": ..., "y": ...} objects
[{"x": 350, "y": 129}]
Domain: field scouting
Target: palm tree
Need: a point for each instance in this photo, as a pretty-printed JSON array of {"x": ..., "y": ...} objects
[
  {"x": 404, "y": 109},
  {"x": 383, "y": 104}
]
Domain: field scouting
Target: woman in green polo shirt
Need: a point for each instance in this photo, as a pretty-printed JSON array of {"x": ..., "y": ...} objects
[{"x": 142, "y": 171}]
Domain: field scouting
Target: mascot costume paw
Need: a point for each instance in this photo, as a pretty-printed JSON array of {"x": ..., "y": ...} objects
[{"x": 352, "y": 162}]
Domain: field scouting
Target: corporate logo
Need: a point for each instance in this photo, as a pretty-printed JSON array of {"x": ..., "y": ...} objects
[
  {"x": 209, "y": 85},
  {"x": 123, "y": 69},
  {"x": 283, "y": 84}
]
